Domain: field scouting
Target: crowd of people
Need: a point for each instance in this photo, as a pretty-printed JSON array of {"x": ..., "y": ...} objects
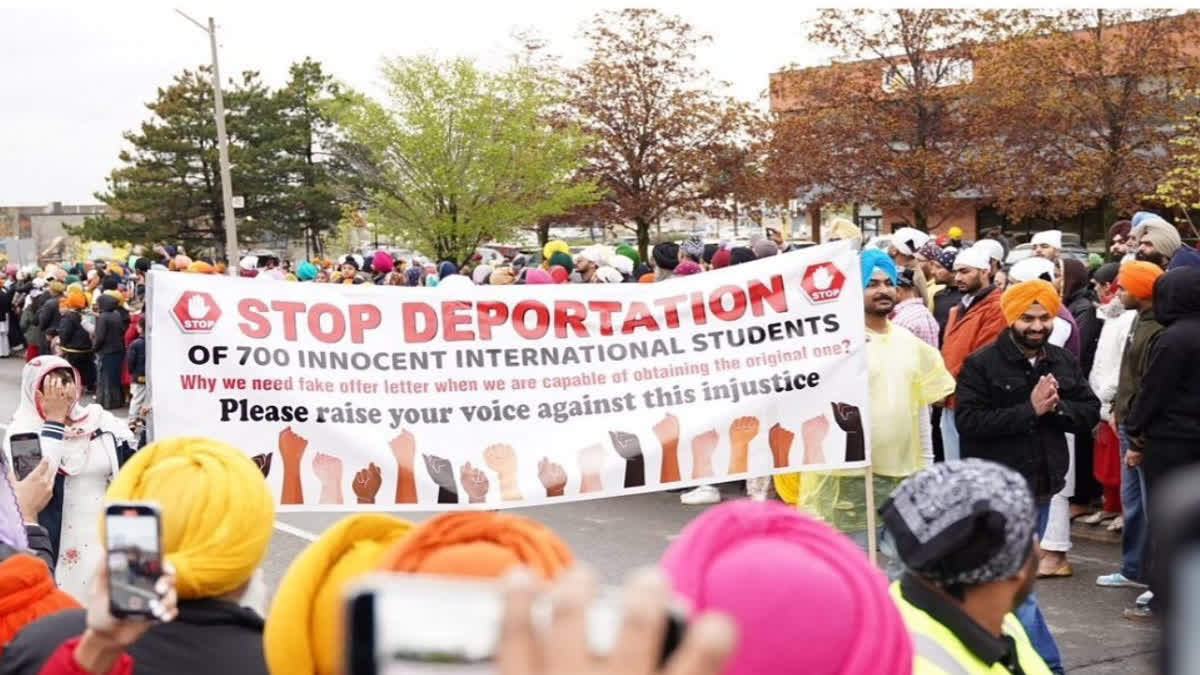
[{"x": 1005, "y": 401}]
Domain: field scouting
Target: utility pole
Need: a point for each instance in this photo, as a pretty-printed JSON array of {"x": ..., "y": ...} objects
[{"x": 231, "y": 241}]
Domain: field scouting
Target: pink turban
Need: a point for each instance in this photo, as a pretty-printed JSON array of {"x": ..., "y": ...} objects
[
  {"x": 382, "y": 263},
  {"x": 538, "y": 276},
  {"x": 805, "y": 599}
]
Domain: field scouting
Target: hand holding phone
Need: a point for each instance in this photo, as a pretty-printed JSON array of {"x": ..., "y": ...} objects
[
  {"x": 26, "y": 453},
  {"x": 34, "y": 491},
  {"x": 134, "y": 564},
  {"x": 643, "y": 644}
]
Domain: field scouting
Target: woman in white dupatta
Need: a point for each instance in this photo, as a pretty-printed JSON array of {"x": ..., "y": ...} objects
[{"x": 81, "y": 442}]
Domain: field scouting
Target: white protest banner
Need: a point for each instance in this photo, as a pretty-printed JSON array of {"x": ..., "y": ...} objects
[{"x": 396, "y": 398}]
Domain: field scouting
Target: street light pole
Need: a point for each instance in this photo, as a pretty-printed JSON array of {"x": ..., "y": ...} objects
[{"x": 231, "y": 241}]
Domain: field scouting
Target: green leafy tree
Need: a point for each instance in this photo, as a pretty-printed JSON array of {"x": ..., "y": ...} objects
[
  {"x": 317, "y": 181},
  {"x": 169, "y": 188},
  {"x": 1180, "y": 188},
  {"x": 459, "y": 156}
]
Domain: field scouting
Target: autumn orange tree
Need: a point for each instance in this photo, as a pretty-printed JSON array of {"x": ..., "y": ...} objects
[
  {"x": 655, "y": 116},
  {"x": 1080, "y": 113},
  {"x": 886, "y": 123}
]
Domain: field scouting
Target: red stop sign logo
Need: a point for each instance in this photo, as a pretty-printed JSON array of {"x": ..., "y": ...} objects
[
  {"x": 196, "y": 312},
  {"x": 822, "y": 282}
]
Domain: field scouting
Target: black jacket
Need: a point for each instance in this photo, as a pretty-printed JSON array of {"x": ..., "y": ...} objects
[
  {"x": 209, "y": 636},
  {"x": 995, "y": 417},
  {"x": 1083, "y": 307},
  {"x": 136, "y": 359},
  {"x": 943, "y": 302},
  {"x": 109, "y": 337},
  {"x": 48, "y": 315},
  {"x": 1167, "y": 405},
  {"x": 71, "y": 334}
]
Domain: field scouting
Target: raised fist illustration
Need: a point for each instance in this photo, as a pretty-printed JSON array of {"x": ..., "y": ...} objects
[
  {"x": 291, "y": 446},
  {"x": 849, "y": 419},
  {"x": 366, "y": 484},
  {"x": 553, "y": 477},
  {"x": 502, "y": 459},
  {"x": 403, "y": 448},
  {"x": 475, "y": 483},
  {"x": 703, "y": 446},
  {"x": 329, "y": 471},
  {"x": 442, "y": 472},
  {"x": 667, "y": 432},
  {"x": 741, "y": 432},
  {"x": 813, "y": 433},
  {"x": 629, "y": 448},
  {"x": 591, "y": 466},
  {"x": 780, "y": 440}
]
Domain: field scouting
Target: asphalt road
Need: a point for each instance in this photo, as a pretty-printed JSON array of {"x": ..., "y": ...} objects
[{"x": 620, "y": 534}]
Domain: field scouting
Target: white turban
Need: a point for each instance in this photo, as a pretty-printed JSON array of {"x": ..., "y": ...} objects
[
  {"x": 596, "y": 254},
  {"x": 973, "y": 257},
  {"x": 1051, "y": 237},
  {"x": 624, "y": 264},
  {"x": 907, "y": 240},
  {"x": 994, "y": 249},
  {"x": 609, "y": 275},
  {"x": 1030, "y": 269},
  {"x": 248, "y": 263}
]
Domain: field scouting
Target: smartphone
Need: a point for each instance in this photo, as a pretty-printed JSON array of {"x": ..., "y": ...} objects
[
  {"x": 133, "y": 540},
  {"x": 26, "y": 453},
  {"x": 416, "y": 624}
]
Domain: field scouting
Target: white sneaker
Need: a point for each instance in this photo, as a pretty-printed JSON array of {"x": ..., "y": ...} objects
[
  {"x": 758, "y": 488},
  {"x": 1116, "y": 525},
  {"x": 705, "y": 494},
  {"x": 1144, "y": 599}
]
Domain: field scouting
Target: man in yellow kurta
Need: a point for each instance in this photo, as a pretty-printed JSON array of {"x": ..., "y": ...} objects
[{"x": 904, "y": 374}]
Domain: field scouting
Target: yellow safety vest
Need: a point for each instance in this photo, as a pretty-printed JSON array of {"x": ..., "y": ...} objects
[{"x": 937, "y": 651}]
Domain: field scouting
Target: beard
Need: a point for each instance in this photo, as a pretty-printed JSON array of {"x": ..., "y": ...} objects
[
  {"x": 1152, "y": 257},
  {"x": 1031, "y": 339},
  {"x": 877, "y": 306}
]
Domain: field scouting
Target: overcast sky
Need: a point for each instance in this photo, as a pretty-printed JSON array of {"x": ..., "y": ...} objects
[{"x": 74, "y": 76}]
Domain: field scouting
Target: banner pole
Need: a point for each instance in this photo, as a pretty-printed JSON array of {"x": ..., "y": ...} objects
[{"x": 872, "y": 544}]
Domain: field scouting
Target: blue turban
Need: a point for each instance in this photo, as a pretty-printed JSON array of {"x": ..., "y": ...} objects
[
  {"x": 1141, "y": 216},
  {"x": 872, "y": 258},
  {"x": 306, "y": 271},
  {"x": 446, "y": 269}
]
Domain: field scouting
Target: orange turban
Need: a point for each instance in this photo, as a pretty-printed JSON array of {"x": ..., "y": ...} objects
[
  {"x": 479, "y": 544},
  {"x": 647, "y": 278},
  {"x": 199, "y": 267},
  {"x": 1138, "y": 277},
  {"x": 76, "y": 299},
  {"x": 1020, "y": 297}
]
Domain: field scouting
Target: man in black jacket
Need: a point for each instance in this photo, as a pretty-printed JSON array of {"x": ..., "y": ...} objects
[
  {"x": 1017, "y": 399},
  {"x": 1018, "y": 396},
  {"x": 48, "y": 315},
  {"x": 1164, "y": 423}
]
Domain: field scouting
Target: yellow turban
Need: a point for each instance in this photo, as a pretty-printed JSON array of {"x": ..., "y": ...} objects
[
  {"x": 840, "y": 228},
  {"x": 199, "y": 267},
  {"x": 303, "y": 631},
  {"x": 217, "y": 512},
  {"x": 118, "y": 295},
  {"x": 1020, "y": 297},
  {"x": 556, "y": 246},
  {"x": 114, "y": 268}
]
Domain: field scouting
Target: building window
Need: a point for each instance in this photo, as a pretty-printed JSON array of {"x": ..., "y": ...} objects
[{"x": 870, "y": 225}]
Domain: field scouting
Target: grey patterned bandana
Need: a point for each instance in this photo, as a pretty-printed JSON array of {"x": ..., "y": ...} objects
[
  {"x": 962, "y": 522},
  {"x": 693, "y": 246}
]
